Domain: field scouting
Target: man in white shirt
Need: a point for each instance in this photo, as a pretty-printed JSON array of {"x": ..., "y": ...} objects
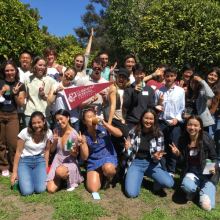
[
  {"x": 54, "y": 70},
  {"x": 94, "y": 79},
  {"x": 24, "y": 71}
]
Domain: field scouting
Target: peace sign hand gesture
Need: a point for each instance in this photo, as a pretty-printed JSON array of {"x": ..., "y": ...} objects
[
  {"x": 175, "y": 151},
  {"x": 55, "y": 136},
  {"x": 15, "y": 89},
  {"x": 127, "y": 143},
  {"x": 161, "y": 98},
  {"x": 113, "y": 68},
  {"x": 41, "y": 89},
  {"x": 79, "y": 139},
  {"x": 159, "y": 154}
]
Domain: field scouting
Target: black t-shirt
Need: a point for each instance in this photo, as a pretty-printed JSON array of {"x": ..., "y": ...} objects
[
  {"x": 144, "y": 149},
  {"x": 9, "y": 105}
]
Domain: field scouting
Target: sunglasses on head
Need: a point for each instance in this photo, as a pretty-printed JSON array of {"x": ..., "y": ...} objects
[{"x": 87, "y": 109}]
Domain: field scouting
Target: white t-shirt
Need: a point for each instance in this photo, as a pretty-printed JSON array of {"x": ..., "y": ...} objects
[
  {"x": 132, "y": 79},
  {"x": 53, "y": 73},
  {"x": 61, "y": 103},
  {"x": 23, "y": 75},
  {"x": 30, "y": 148}
]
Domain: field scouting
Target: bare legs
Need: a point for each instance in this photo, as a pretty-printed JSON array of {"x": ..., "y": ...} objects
[
  {"x": 62, "y": 172},
  {"x": 94, "y": 178}
]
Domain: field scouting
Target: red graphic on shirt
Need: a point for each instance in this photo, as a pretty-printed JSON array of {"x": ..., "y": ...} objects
[{"x": 77, "y": 95}]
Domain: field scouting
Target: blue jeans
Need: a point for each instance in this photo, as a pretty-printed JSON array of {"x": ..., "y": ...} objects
[
  {"x": 194, "y": 179},
  {"x": 171, "y": 134},
  {"x": 32, "y": 175},
  {"x": 147, "y": 167},
  {"x": 27, "y": 119},
  {"x": 214, "y": 131}
]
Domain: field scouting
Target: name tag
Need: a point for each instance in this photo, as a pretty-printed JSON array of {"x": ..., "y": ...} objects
[
  {"x": 144, "y": 92},
  {"x": 193, "y": 153},
  {"x": 7, "y": 102},
  {"x": 101, "y": 135}
]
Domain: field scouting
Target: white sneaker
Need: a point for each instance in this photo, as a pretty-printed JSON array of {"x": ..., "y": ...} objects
[
  {"x": 156, "y": 186},
  {"x": 69, "y": 188}
]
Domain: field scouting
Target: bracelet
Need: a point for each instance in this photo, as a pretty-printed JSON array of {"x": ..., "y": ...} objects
[
  {"x": 153, "y": 75},
  {"x": 54, "y": 93},
  {"x": 111, "y": 74},
  {"x": 16, "y": 94},
  {"x": 60, "y": 74}
]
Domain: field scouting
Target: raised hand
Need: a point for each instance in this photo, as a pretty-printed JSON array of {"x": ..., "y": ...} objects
[
  {"x": 197, "y": 78},
  {"x": 158, "y": 72},
  {"x": 113, "y": 67},
  {"x": 159, "y": 155},
  {"x": 41, "y": 89},
  {"x": 4, "y": 89},
  {"x": 59, "y": 68},
  {"x": 15, "y": 89},
  {"x": 79, "y": 139},
  {"x": 103, "y": 94},
  {"x": 127, "y": 143},
  {"x": 94, "y": 98},
  {"x": 161, "y": 98},
  {"x": 59, "y": 88},
  {"x": 55, "y": 136},
  {"x": 138, "y": 87},
  {"x": 180, "y": 83},
  {"x": 175, "y": 151}
]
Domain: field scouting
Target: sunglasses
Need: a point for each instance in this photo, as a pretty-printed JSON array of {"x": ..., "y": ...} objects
[
  {"x": 87, "y": 109},
  {"x": 97, "y": 69},
  {"x": 67, "y": 77}
]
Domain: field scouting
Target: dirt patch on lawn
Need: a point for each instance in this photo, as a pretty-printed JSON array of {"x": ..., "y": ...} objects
[{"x": 25, "y": 211}]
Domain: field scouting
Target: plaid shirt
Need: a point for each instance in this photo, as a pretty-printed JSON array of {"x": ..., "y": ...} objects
[{"x": 156, "y": 144}]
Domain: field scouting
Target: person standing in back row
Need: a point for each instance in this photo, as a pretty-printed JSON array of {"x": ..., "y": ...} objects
[
  {"x": 172, "y": 98},
  {"x": 138, "y": 98}
]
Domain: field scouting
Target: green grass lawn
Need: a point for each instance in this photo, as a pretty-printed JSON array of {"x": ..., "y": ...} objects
[{"x": 79, "y": 204}]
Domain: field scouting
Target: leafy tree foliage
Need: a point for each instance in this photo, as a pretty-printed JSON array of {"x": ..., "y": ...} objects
[
  {"x": 96, "y": 20},
  {"x": 19, "y": 30},
  {"x": 176, "y": 32}
]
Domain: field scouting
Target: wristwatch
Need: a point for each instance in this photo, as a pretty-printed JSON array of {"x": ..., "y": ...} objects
[
  {"x": 54, "y": 93},
  {"x": 60, "y": 74}
]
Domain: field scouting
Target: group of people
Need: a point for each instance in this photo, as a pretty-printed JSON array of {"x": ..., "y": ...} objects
[{"x": 144, "y": 128}]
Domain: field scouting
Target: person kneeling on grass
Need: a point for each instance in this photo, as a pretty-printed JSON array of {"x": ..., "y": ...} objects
[
  {"x": 96, "y": 147},
  {"x": 195, "y": 147},
  {"x": 32, "y": 156},
  {"x": 146, "y": 144},
  {"x": 65, "y": 164}
]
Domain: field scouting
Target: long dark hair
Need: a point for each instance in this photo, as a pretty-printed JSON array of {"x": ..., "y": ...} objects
[
  {"x": 216, "y": 86},
  {"x": 190, "y": 94},
  {"x": 2, "y": 69},
  {"x": 66, "y": 114},
  {"x": 82, "y": 126},
  {"x": 33, "y": 115},
  {"x": 155, "y": 130},
  {"x": 186, "y": 137}
]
